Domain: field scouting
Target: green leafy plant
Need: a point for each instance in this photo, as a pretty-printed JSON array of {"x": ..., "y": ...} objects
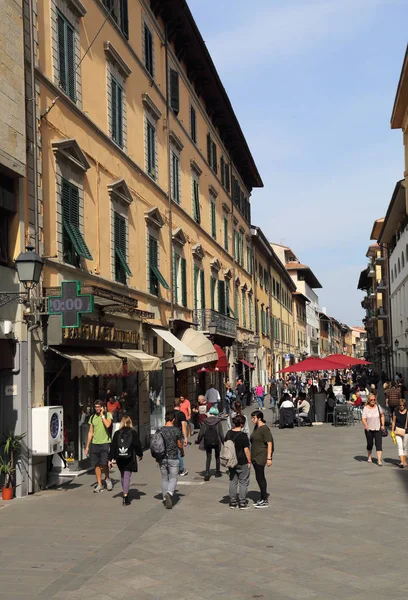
[
  {"x": 8, "y": 471},
  {"x": 11, "y": 444}
]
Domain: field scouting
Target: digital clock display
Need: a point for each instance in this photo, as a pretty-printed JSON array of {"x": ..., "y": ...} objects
[{"x": 70, "y": 304}]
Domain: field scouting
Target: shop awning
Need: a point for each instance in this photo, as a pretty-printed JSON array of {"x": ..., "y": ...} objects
[
  {"x": 89, "y": 363},
  {"x": 201, "y": 347},
  {"x": 246, "y": 363},
  {"x": 222, "y": 362},
  {"x": 181, "y": 349},
  {"x": 137, "y": 360}
]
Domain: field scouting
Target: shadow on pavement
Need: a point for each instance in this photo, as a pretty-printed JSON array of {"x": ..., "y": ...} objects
[
  {"x": 176, "y": 498},
  {"x": 361, "y": 458},
  {"x": 133, "y": 494},
  {"x": 392, "y": 461}
]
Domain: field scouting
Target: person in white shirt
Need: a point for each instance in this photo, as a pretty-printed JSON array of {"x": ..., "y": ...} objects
[
  {"x": 287, "y": 402},
  {"x": 303, "y": 405}
]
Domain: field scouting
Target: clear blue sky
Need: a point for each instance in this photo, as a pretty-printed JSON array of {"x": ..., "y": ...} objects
[{"x": 313, "y": 84}]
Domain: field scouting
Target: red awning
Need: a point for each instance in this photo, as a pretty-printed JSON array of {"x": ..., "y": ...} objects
[
  {"x": 313, "y": 364},
  {"x": 246, "y": 363},
  {"x": 221, "y": 365},
  {"x": 347, "y": 361}
]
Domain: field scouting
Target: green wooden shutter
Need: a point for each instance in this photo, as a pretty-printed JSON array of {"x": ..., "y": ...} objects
[
  {"x": 214, "y": 158},
  {"x": 61, "y": 51},
  {"x": 212, "y": 292},
  {"x": 120, "y": 116},
  {"x": 227, "y": 177},
  {"x": 202, "y": 289},
  {"x": 226, "y": 233},
  {"x": 70, "y": 41},
  {"x": 121, "y": 265},
  {"x": 221, "y": 297},
  {"x": 193, "y": 124},
  {"x": 243, "y": 309},
  {"x": 148, "y": 45},
  {"x": 151, "y": 150},
  {"x": 209, "y": 149},
  {"x": 196, "y": 202},
  {"x": 195, "y": 282},
  {"x": 175, "y": 276},
  {"x": 222, "y": 169},
  {"x": 124, "y": 18},
  {"x": 213, "y": 220},
  {"x": 114, "y": 110},
  {"x": 227, "y": 297},
  {"x": 183, "y": 282},
  {"x": 175, "y": 173},
  {"x": 154, "y": 283},
  {"x": 174, "y": 91}
]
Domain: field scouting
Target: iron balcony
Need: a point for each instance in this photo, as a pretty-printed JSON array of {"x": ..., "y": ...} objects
[{"x": 227, "y": 326}]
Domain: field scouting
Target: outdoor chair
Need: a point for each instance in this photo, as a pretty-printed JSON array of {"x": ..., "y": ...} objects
[{"x": 343, "y": 415}]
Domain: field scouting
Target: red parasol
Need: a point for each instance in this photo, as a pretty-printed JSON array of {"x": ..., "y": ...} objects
[
  {"x": 313, "y": 364},
  {"x": 347, "y": 361}
]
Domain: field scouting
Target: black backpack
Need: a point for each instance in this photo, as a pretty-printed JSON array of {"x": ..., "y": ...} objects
[
  {"x": 211, "y": 437},
  {"x": 124, "y": 448}
]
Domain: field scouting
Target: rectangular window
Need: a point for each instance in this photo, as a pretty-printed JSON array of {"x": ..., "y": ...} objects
[
  {"x": 249, "y": 260},
  {"x": 262, "y": 319},
  {"x": 116, "y": 112},
  {"x": 119, "y": 12},
  {"x": 241, "y": 249},
  {"x": 236, "y": 246},
  {"x": 266, "y": 281},
  {"x": 193, "y": 124},
  {"x": 250, "y": 312},
  {"x": 174, "y": 91},
  {"x": 213, "y": 287},
  {"x": 151, "y": 149},
  {"x": 148, "y": 49},
  {"x": 213, "y": 217},
  {"x": 66, "y": 56},
  {"x": 222, "y": 169},
  {"x": 267, "y": 324},
  {"x": 183, "y": 282},
  {"x": 155, "y": 277},
  {"x": 175, "y": 177},
  {"x": 176, "y": 274},
  {"x": 196, "y": 201},
  {"x": 180, "y": 279},
  {"x": 199, "y": 288},
  {"x": 120, "y": 246},
  {"x": 226, "y": 233},
  {"x": 260, "y": 275},
  {"x": 73, "y": 242},
  {"x": 212, "y": 153},
  {"x": 243, "y": 309},
  {"x": 221, "y": 298}
]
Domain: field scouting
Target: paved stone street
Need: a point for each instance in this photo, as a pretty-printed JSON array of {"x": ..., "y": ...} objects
[{"x": 334, "y": 529}]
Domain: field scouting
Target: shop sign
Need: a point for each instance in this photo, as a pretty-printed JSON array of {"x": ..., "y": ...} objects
[
  {"x": 101, "y": 333},
  {"x": 70, "y": 304}
]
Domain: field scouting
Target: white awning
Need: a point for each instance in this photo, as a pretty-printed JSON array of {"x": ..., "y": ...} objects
[
  {"x": 200, "y": 345},
  {"x": 89, "y": 363},
  {"x": 137, "y": 360},
  {"x": 182, "y": 350}
]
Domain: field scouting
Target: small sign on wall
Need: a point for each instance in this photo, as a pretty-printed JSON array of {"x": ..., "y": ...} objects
[{"x": 10, "y": 390}]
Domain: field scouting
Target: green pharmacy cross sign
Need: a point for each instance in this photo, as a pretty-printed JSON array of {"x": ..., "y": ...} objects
[{"x": 70, "y": 304}]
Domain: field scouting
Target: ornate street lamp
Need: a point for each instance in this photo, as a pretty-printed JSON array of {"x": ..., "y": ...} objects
[
  {"x": 29, "y": 267},
  {"x": 212, "y": 328},
  {"x": 257, "y": 339}
]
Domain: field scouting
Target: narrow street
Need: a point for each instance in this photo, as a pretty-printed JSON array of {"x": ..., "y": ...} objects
[{"x": 332, "y": 530}]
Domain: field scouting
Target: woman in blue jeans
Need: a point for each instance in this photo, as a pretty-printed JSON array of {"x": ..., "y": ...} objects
[
  {"x": 260, "y": 394},
  {"x": 170, "y": 465}
]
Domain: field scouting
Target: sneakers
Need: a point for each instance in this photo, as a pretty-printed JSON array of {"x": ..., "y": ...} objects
[
  {"x": 380, "y": 464},
  {"x": 168, "y": 501},
  {"x": 109, "y": 485},
  {"x": 183, "y": 473},
  {"x": 243, "y": 505},
  {"x": 233, "y": 504},
  {"x": 218, "y": 474},
  {"x": 126, "y": 501},
  {"x": 261, "y": 504},
  {"x": 98, "y": 488},
  {"x": 207, "y": 477}
]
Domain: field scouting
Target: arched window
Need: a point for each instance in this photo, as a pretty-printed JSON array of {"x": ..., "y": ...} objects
[
  {"x": 399, "y": 266},
  {"x": 402, "y": 260}
]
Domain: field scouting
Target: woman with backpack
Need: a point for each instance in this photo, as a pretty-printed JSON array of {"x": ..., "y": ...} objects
[
  {"x": 261, "y": 454},
  {"x": 238, "y": 411},
  {"x": 239, "y": 474},
  {"x": 124, "y": 448},
  {"x": 211, "y": 437}
]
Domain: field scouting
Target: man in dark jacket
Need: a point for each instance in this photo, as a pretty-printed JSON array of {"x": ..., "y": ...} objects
[{"x": 211, "y": 437}]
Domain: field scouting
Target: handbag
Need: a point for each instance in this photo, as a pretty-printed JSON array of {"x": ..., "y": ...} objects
[
  {"x": 384, "y": 432},
  {"x": 401, "y": 431}
]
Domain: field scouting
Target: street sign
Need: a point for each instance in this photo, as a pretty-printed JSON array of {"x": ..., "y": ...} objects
[{"x": 70, "y": 304}]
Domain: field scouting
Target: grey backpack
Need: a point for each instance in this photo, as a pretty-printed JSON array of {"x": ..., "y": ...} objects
[{"x": 228, "y": 456}]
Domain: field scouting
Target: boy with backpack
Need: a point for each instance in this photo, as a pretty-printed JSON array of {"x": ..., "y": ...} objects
[
  {"x": 237, "y": 457},
  {"x": 211, "y": 437},
  {"x": 165, "y": 445}
]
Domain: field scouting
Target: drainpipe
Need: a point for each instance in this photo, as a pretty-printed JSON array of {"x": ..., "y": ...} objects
[
  {"x": 29, "y": 406},
  {"x": 34, "y": 125},
  {"x": 170, "y": 208}
]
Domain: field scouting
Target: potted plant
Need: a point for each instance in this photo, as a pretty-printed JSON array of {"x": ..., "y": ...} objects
[
  {"x": 11, "y": 444},
  {"x": 7, "y": 491}
]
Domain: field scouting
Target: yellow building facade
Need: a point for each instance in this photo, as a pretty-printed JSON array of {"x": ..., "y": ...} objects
[{"x": 143, "y": 198}]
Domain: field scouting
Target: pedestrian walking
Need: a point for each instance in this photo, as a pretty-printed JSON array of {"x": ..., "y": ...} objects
[
  {"x": 212, "y": 396},
  {"x": 260, "y": 395},
  {"x": 180, "y": 421},
  {"x": 124, "y": 449},
  {"x": 98, "y": 444},
  {"x": 169, "y": 465},
  {"x": 211, "y": 437},
  {"x": 373, "y": 422},
  {"x": 273, "y": 390},
  {"x": 185, "y": 407},
  {"x": 400, "y": 428},
  {"x": 239, "y": 475},
  {"x": 238, "y": 411},
  {"x": 229, "y": 398},
  {"x": 261, "y": 454}
]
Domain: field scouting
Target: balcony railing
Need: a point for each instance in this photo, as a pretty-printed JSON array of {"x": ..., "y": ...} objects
[
  {"x": 379, "y": 260},
  {"x": 382, "y": 313},
  {"x": 381, "y": 285},
  {"x": 225, "y": 325}
]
